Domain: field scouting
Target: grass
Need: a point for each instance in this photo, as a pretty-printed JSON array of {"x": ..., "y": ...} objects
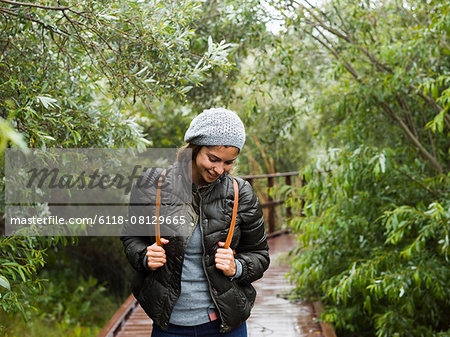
[
  {"x": 63, "y": 310},
  {"x": 13, "y": 325}
]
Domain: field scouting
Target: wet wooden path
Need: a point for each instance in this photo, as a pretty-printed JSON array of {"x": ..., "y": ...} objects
[{"x": 272, "y": 315}]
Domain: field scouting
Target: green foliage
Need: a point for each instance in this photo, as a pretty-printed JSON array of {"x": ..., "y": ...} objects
[
  {"x": 68, "y": 305},
  {"x": 20, "y": 260},
  {"x": 8, "y": 135},
  {"x": 57, "y": 61},
  {"x": 70, "y": 300},
  {"x": 35, "y": 327},
  {"x": 373, "y": 238},
  {"x": 374, "y": 244},
  {"x": 240, "y": 23},
  {"x": 60, "y": 287},
  {"x": 434, "y": 87},
  {"x": 269, "y": 95},
  {"x": 70, "y": 73},
  {"x": 369, "y": 81},
  {"x": 377, "y": 66},
  {"x": 93, "y": 257},
  {"x": 140, "y": 47}
]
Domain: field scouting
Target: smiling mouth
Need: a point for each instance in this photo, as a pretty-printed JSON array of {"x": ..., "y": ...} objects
[{"x": 212, "y": 176}]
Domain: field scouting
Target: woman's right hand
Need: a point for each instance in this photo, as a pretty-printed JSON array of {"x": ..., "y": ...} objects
[{"x": 156, "y": 255}]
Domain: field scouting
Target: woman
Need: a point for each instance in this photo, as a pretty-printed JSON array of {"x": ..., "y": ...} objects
[{"x": 192, "y": 285}]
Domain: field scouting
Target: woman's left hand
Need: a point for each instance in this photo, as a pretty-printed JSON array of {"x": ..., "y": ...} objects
[{"x": 225, "y": 260}]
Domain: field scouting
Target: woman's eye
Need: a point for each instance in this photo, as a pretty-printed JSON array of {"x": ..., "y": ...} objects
[{"x": 213, "y": 160}]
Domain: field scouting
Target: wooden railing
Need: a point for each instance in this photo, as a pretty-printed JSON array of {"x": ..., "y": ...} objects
[
  {"x": 120, "y": 318},
  {"x": 270, "y": 203}
]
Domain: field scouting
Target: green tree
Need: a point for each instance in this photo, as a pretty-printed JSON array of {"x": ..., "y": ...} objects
[
  {"x": 54, "y": 58},
  {"x": 373, "y": 238},
  {"x": 69, "y": 70},
  {"x": 239, "y": 23}
]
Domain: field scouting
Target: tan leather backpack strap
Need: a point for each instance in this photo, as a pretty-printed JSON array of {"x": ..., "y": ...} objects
[
  {"x": 158, "y": 204},
  {"x": 233, "y": 218}
]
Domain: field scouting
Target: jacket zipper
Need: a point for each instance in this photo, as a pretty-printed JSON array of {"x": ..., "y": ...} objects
[{"x": 204, "y": 265}]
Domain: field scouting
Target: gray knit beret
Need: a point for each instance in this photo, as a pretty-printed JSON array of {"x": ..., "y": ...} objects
[{"x": 216, "y": 126}]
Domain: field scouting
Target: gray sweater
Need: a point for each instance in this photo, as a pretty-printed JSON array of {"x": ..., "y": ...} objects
[{"x": 195, "y": 303}]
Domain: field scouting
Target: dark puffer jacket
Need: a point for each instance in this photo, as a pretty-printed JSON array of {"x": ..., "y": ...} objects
[{"x": 157, "y": 291}]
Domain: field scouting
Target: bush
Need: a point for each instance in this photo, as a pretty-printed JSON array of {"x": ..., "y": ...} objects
[{"x": 374, "y": 244}]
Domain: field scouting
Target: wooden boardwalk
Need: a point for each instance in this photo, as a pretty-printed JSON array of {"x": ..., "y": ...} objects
[{"x": 272, "y": 314}]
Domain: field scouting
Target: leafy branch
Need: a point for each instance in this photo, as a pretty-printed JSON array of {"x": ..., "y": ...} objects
[
  {"x": 117, "y": 45},
  {"x": 318, "y": 33}
]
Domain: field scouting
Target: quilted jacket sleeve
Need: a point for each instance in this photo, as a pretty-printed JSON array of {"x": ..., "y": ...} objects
[
  {"x": 134, "y": 236},
  {"x": 252, "y": 250}
]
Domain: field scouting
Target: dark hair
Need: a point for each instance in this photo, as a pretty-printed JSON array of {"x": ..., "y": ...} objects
[{"x": 188, "y": 152}]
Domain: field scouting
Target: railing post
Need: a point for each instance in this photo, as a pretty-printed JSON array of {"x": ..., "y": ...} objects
[
  {"x": 271, "y": 203},
  {"x": 302, "y": 197},
  {"x": 288, "y": 209},
  {"x": 270, "y": 183}
]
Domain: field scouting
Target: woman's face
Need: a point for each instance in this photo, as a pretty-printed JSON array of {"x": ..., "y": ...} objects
[{"x": 211, "y": 162}]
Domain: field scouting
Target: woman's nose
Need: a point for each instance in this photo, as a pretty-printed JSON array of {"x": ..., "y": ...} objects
[{"x": 218, "y": 169}]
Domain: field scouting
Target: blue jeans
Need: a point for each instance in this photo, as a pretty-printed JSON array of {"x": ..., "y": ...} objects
[{"x": 210, "y": 329}]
